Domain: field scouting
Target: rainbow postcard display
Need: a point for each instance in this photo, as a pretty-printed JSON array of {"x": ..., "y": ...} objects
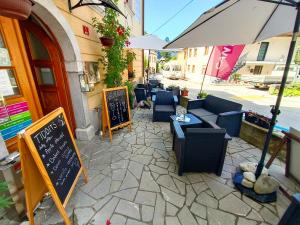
[{"x": 14, "y": 118}]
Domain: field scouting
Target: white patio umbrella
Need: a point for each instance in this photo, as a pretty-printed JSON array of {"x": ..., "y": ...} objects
[
  {"x": 147, "y": 42},
  {"x": 243, "y": 22}
]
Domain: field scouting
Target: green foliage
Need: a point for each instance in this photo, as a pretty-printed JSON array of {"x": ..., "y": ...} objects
[
  {"x": 297, "y": 57},
  {"x": 289, "y": 91},
  {"x": 166, "y": 55},
  {"x": 130, "y": 87},
  {"x": 145, "y": 62},
  {"x": 5, "y": 202},
  {"x": 115, "y": 60},
  {"x": 235, "y": 77},
  {"x": 202, "y": 95}
]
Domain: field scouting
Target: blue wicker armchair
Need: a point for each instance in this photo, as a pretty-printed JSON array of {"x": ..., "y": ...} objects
[
  {"x": 200, "y": 149},
  {"x": 140, "y": 94},
  {"x": 164, "y": 105}
]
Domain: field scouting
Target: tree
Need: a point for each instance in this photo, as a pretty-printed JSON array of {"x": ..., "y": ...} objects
[{"x": 166, "y": 55}]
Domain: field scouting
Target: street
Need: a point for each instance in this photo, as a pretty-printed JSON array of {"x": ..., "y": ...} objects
[{"x": 252, "y": 99}]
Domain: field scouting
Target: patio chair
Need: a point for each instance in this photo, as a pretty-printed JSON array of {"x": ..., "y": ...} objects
[
  {"x": 141, "y": 86},
  {"x": 164, "y": 105},
  {"x": 176, "y": 92},
  {"x": 200, "y": 149},
  {"x": 140, "y": 94}
]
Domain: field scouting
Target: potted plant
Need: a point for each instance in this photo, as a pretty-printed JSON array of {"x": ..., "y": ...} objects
[
  {"x": 114, "y": 59},
  {"x": 185, "y": 91},
  {"x": 16, "y": 9},
  {"x": 201, "y": 95}
]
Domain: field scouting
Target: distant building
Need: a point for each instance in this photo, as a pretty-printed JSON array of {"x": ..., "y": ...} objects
[
  {"x": 152, "y": 60},
  {"x": 259, "y": 58}
]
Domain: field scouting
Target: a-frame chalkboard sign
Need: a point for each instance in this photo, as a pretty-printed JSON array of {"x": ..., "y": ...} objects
[
  {"x": 116, "y": 109},
  {"x": 50, "y": 162}
]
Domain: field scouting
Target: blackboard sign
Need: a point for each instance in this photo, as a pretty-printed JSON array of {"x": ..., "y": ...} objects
[
  {"x": 116, "y": 112},
  {"x": 50, "y": 162},
  {"x": 57, "y": 152},
  {"x": 117, "y": 107}
]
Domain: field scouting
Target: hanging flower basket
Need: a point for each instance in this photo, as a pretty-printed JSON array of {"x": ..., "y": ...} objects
[
  {"x": 16, "y": 9},
  {"x": 107, "y": 41}
]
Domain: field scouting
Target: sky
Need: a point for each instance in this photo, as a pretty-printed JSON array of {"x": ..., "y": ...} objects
[{"x": 158, "y": 12}]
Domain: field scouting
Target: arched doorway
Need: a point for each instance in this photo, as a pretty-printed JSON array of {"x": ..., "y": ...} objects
[{"x": 47, "y": 67}]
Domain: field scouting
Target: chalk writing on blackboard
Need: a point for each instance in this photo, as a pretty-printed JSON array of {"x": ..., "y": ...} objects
[
  {"x": 58, "y": 154},
  {"x": 117, "y": 107}
]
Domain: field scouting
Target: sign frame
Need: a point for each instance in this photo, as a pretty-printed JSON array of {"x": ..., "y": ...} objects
[
  {"x": 36, "y": 177},
  {"x": 105, "y": 115}
]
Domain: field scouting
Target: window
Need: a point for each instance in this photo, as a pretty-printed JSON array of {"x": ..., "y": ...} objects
[
  {"x": 195, "y": 52},
  {"x": 193, "y": 69},
  {"x": 138, "y": 9},
  {"x": 8, "y": 83},
  {"x": 206, "y": 50},
  {"x": 190, "y": 53},
  {"x": 262, "y": 51},
  {"x": 257, "y": 70}
]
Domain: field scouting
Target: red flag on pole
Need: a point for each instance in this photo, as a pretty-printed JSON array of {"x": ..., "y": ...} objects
[{"x": 222, "y": 60}]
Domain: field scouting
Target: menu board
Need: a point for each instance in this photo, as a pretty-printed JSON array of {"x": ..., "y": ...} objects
[
  {"x": 57, "y": 152},
  {"x": 14, "y": 118},
  {"x": 117, "y": 104}
]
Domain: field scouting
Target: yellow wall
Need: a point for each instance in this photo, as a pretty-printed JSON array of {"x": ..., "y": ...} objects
[{"x": 90, "y": 45}]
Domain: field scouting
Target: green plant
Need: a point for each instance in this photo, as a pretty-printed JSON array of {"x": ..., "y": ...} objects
[
  {"x": 202, "y": 95},
  {"x": 130, "y": 87},
  {"x": 289, "y": 91},
  {"x": 5, "y": 202},
  {"x": 114, "y": 59},
  {"x": 235, "y": 77}
]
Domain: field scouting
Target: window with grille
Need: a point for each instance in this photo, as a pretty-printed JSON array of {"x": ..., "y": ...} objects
[{"x": 262, "y": 51}]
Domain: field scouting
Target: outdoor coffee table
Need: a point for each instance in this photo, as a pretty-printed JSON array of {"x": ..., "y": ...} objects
[{"x": 194, "y": 122}]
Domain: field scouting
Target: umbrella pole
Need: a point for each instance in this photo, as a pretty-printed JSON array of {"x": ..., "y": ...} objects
[
  {"x": 148, "y": 66},
  {"x": 202, "y": 83},
  {"x": 275, "y": 109}
]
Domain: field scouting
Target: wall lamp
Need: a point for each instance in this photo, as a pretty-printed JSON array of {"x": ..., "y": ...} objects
[{"x": 105, "y": 3}]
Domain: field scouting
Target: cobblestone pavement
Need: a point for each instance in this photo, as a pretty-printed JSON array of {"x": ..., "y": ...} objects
[{"x": 134, "y": 181}]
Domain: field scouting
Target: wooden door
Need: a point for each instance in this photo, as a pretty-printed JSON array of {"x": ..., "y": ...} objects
[
  {"x": 47, "y": 66},
  {"x": 16, "y": 82}
]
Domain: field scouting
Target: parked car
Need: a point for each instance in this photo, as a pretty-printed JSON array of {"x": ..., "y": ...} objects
[
  {"x": 264, "y": 81},
  {"x": 172, "y": 71}
]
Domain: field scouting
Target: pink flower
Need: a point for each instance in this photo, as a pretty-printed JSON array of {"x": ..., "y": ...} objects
[{"x": 108, "y": 222}]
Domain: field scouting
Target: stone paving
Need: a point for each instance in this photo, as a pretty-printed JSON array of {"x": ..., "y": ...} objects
[{"x": 134, "y": 181}]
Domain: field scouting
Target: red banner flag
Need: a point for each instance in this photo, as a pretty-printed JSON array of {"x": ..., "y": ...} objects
[{"x": 222, "y": 60}]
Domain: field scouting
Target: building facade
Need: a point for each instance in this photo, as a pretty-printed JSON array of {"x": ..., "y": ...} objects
[
  {"x": 43, "y": 58},
  {"x": 258, "y": 58},
  {"x": 261, "y": 58},
  {"x": 152, "y": 58}
]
